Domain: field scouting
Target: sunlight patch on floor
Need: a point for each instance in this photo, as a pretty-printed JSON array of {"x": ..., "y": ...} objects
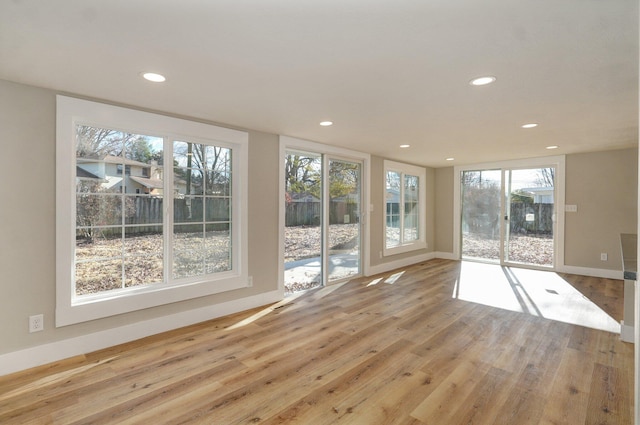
[
  {"x": 393, "y": 278},
  {"x": 265, "y": 311},
  {"x": 539, "y": 293},
  {"x": 374, "y": 282}
]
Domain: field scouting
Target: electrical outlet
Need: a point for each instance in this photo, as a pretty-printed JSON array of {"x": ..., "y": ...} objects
[
  {"x": 36, "y": 323},
  {"x": 603, "y": 256}
]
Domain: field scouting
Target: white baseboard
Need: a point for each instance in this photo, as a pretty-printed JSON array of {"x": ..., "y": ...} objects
[
  {"x": 627, "y": 333},
  {"x": 587, "y": 271},
  {"x": 392, "y": 265},
  {"x": 59, "y": 350},
  {"x": 584, "y": 271}
]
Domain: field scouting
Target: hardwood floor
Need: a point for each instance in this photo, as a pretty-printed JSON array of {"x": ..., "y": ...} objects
[{"x": 391, "y": 349}]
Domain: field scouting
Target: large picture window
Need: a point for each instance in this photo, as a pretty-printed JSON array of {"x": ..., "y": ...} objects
[
  {"x": 405, "y": 208},
  {"x": 149, "y": 210}
]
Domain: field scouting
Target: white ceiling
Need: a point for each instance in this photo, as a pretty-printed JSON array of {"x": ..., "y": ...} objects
[{"x": 386, "y": 72}]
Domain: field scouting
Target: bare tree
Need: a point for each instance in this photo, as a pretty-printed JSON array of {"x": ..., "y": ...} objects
[
  {"x": 205, "y": 168},
  {"x": 95, "y": 210},
  {"x": 546, "y": 177}
]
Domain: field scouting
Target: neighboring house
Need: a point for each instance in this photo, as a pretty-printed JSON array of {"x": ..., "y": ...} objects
[
  {"x": 301, "y": 197},
  {"x": 125, "y": 175},
  {"x": 541, "y": 195},
  {"x": 84, "y": 175}
]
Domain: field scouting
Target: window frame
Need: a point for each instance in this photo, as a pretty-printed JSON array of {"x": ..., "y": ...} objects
[
  {"x": 421, "y": 173},
  {"x": 71, "y": 308}
]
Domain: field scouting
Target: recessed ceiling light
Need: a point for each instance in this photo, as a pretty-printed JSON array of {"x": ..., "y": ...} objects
[
  {"x": 450, "y": 159},
  {"x": 405, "y": 146},
  {"x": 482, "y": 81},
  {"x": 552, "y": 147},
  {"x": 530, "y": 125},
  {"x": 153, "y": 77},
  {"x": 326, "y": 123}
]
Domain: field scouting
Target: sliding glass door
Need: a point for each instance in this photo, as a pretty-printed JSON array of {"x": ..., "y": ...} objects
[
  {"x": 322, "y": 228},
  {"x": 344, "y": 219},
  {"x": 508, "y": 215},
  {"x": 529, "y": 216},
  {"x": 481, "y": 211},
  {"x": 303, "y": 221}
]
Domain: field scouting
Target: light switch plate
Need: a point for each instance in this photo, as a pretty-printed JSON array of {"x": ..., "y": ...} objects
[{"x": 571, "y": 208}]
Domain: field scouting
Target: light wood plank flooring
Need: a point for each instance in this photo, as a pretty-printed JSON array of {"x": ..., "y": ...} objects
[{"x": 392, "y": 349}]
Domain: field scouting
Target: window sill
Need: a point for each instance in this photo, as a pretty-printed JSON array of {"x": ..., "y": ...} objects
[{"x": 415, "y": 246}]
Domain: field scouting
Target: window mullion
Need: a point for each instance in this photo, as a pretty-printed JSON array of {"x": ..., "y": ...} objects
[
  {"x": 123, "y": 235},
  {"x": 401, "y": 209},
  {"x": 167, "y": 220}
]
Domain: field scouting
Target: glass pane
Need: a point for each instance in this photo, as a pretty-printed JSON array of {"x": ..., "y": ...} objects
[
  {"x": 411, "y": 214},
  {"x": 143, "y": 240},
  {"x": 143, "y": 209},
  {"x": 392, "y": 236},
  {"x": 217, "y": 209},
  {"x": 481, "y": 214},
  {"x": 143, "y": 165},
  {"x": 187, "y": 263},
  {"x": 218, "y": 159},
  {"x": 411, "y": 222},
  {"x": 93, "y": 185},
  {"x": 98, "y": 210},
  {"x": 344, "y": 219},
  {"x": 187, "y": 250},
  {"x": 218, "y": 184},
  {"x": 94, "y": 144},
  {"x": 103, "y": 243},
  {"x": 218, "y": 171},
  {"x": 189, "y": 181},
  {"x": 187, "y": 154},
  {"x": 143, "y": 270},
  {"x": 188, "y": 209},
  {"x": 118, "y": 182},
  {"x": 530, "y": 203},
  {"x": 217, "y": 248},
  {"x": 303, "y": 212},
  {"x": 201, "y": 169},
  {"x": 98, "y": 276}
]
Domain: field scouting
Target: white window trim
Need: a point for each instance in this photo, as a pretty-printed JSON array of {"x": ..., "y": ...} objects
[
  {"x": 421, "y": 173},
  {"x": 69, "y": 308}
]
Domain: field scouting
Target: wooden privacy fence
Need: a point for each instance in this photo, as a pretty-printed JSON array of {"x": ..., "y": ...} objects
[
  {"x": 309, "y": 213},
  {"x": 523, "y": 219},
  {"x": 303, "y": 213},
  {"x": 145, "y": 214},
  {"x": 531, "y": 218}
]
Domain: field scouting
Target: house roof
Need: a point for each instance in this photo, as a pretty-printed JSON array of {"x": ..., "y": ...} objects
[
  {"x": 150, "y": 183},
  {"x": 81, "y": 173},
  {"x": 388, "y": 73},
  {"x": 112, "y": 159},
  {"x": 302, "y": 197},
  {"x": 537, "y": 189}
]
